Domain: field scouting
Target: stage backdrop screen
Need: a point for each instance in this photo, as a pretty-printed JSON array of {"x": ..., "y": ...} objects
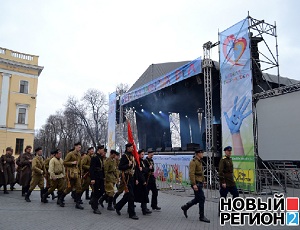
[{"x": 278, "y": 121}]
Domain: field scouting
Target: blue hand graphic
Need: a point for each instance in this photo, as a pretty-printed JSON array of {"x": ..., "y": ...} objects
[
  {"x": 165, "y": 170},
  {"x": 235, "y": 121}
]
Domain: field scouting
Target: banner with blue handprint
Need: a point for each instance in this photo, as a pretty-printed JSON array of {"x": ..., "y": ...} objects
[{"x": 237, "y": 118}]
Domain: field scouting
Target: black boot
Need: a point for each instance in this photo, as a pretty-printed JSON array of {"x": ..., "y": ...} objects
[
  {"x": 44, "y": 197},
  {"x": 73, "y": 195},
  {"x": 87, "y": 195},
  {"x": 43, "y": 191},
  {"x": 61, "y": 200},
  {"x": 115, "y": 199},
  {"x": 145, "y": 210},
  {"x": 110, "y": 204},
  {"x": 102, "y": 199},
  {"x": 78, "y": 199},
  {"x": 186, "y": 207},
  {"x": 23, "y": 191},
  {"x": 204, "y": 219},
  {"x": 27, "y": 196},
  {"x": 53, "y": 196},
  {"x": 5, "y": 189}
]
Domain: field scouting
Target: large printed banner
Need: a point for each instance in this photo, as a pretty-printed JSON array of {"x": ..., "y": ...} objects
[
  {"x": 172, "y": 168},
  {"x": 237, "y": 119},
  {"x": 111, "y": 122},
  {"x": 188, "y": 70}
]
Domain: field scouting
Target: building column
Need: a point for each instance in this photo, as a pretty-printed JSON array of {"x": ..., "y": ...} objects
[{"x": 4, "y": 99}]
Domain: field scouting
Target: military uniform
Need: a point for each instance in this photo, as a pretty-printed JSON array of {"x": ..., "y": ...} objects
[
  {"x": 120, "y": 184},
  {"x": 226, "y": 177},
  {"x": 73, "y": 177},
  {"x": 37, "y": 178},
  {"x": 111, "y": 178},
  {"x": 140, "y": 189},
  {"x": 151, "y": 182},
  {"x": 128, "y": 180},
  {"x": 97, "y": 175},
  {"x": 57, "y": 178},
  {"x": 25, "y": 171},
  {"x": 8, "y": 165},
  {"x": 196, "y": 176},
  {"x": 86, "y": 178}
]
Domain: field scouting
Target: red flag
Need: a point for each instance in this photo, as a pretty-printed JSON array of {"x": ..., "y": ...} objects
[{"x": 130, "y": 140}]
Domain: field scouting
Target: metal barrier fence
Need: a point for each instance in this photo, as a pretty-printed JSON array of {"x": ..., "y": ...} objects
[{"x": 175, "y": 178}]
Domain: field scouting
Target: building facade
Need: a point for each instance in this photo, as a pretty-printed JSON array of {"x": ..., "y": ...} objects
[{"x": 19, "y": 74}]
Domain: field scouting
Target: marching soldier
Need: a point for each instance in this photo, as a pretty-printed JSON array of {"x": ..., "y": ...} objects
[
  {"x": 85, "y": 167},
  {"x": 111, "y": 177},
  {"x": 8, "y": 165},
  {"x": 97, "y": 177},
  {"x": 197, "y": 181},
  {"x": 56, "y": 176},
  {"x": 72, "y": 164},
  {"x": 119, "y": 184},
  {"x": 25, "y": 169},
  {"x": 37, "y": 174},
  {"x": 127, "y": 166},
  {"x": 47, "y": 175},
  {"x": 151, "y": 185},
  {"x": 140, "y": 188},
  {"x": 227, "y": 183}
]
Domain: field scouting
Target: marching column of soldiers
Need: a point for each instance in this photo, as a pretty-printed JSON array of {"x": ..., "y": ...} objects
[{"x": 133, "y": 177}]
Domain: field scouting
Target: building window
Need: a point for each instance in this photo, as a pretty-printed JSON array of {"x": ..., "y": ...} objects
[
  {"x": 24, "y": 87},
  {"x": 19, "y": 146},
  {"x": 22, "y": 116}
]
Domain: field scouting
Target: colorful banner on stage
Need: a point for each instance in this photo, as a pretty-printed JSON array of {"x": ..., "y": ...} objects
[
  {"x": 111, "y": 122},
  {"x": 188, "y": 70},
  {"x": 172, "y": 168},
  {"x": 237, "y": 118}
]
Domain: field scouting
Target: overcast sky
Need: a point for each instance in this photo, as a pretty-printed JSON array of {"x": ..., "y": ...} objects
[{"x": 99, "y": 43}]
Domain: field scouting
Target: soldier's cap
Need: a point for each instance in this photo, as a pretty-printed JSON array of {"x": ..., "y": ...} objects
[
  {"x": 228, "y": 148},
  {"x": 90, "y": 148},
  {"x": 9, "y": 149},
  {"x": 100, "y": 147},
  {"x": 112, "y": 151},
  {"x": 150, "y": 150},
  {"x": 53, "y": 152},
  {"x": 77, "y": 143},
  {"x": 199, "y": 151},
  {"x": 128, "y": 145},
  {"x": 140, "y": 151},
  {"x": 38, "y": 149}
]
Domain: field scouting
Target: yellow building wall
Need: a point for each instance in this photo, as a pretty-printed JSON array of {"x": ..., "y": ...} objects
[
  {"x": 28, "y": 72},
  {"x": 8, "y": 139}
]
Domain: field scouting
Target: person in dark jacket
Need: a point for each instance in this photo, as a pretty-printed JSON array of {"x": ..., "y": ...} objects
[
  {"x": 8, "y": 166},
  {"x": 140, "y": 188},
  {"x": 127, "y": 167},
  {"x": 97, "y": 177},
  {"x": 26, "y": 171}
]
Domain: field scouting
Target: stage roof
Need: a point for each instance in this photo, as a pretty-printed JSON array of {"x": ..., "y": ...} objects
[{"x": 157, "y": 70}]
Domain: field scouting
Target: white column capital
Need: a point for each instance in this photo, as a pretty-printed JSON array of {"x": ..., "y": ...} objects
[{"x": 6, "y": 74}]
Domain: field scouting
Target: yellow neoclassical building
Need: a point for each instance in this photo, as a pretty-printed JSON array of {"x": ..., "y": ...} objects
[{"x": 19, "y": 74}]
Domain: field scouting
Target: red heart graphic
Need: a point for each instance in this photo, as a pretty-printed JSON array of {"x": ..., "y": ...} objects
[{"x": 236, "y": 48}]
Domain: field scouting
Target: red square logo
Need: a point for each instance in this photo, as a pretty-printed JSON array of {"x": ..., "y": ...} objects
[{"x": 292, "y": 204}]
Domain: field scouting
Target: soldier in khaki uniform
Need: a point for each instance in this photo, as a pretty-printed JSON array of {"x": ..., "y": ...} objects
[
  {"x": 119, "y": 184},
  {"x": 227, "y": 183},
  {"x": 111, "y": 178},
  {"x": 85, "y": 167},
  {"x": 37, "y": 174},
  {"x": 56, "y": 176},
  {"x": 47, "y": 175},
  {"x": 197, "y": 181},
  {"x": 72, "y": 164}
]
